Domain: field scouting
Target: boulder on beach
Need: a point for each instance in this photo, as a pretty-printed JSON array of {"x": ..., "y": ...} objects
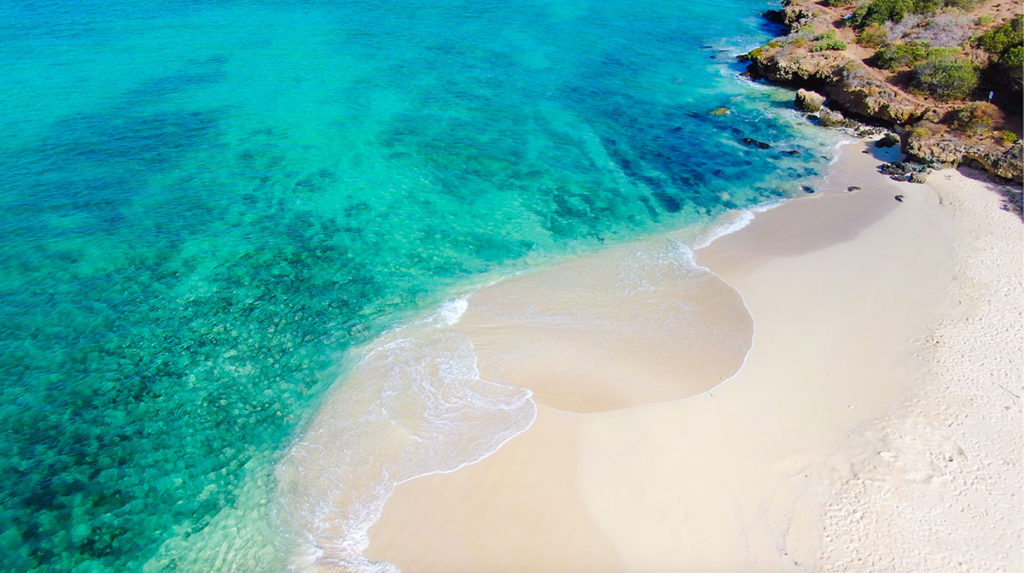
[{"x": 888, "y": 140}]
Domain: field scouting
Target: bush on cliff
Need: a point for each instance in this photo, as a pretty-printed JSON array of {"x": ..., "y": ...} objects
[
  {"x": 1006, "y": 75},
  {"x": 926, "y": 6},
  {"x": 880, "y": 12},
  {"x": 1002, "y": 38},
  {"x": 873, "y": 36},
  {"x": 976, "y": 117},
  {"x": 946, "y": 77},
  {"x": 828, "y": 41},
  {"x": 899, "y": 55}
]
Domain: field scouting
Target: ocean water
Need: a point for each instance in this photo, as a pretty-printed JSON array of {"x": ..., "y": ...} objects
[{"x": 206, "y": 204}]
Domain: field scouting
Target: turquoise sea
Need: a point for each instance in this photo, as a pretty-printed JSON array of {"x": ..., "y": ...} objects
[{"x": 205, "y": 203}]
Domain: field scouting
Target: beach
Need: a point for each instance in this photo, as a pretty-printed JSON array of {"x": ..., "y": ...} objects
[{"x": 849, "y": 400}]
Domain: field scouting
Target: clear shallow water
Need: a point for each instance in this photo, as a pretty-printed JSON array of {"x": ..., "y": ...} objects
[{"x": 206, "y": 203}]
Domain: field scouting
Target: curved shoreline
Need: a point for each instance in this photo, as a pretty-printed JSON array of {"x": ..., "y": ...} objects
[
  {"x": 743, "y": 470},
  {"x": 514, "y": 333}
]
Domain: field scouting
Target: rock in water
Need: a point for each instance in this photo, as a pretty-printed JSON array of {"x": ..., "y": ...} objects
[
  {"x": 829, "y": 118},
  {"x": 755, "y": 143},
  {"x": 806, "y": 100}
]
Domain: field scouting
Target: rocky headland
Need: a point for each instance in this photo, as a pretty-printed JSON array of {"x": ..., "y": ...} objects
[{"x": 942, "y": 75}]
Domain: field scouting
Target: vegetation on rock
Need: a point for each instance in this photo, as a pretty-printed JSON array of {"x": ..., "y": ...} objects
[
  {"x": 899, "y": 55},
  {"x": 1004, "y": 38},
  {"x": 946, "y": 77},
  {"x": 882, "y": 11},
  {"x": 828, "y": 41},
  {"x": 918, "y": 65},
  {"x": 873, "y": 36},
  {"x": 1006, "y": 44},
  {"x": 976, "y": 117}
]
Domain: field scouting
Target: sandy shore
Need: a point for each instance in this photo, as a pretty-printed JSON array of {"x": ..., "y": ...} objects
[{"x": 875, "y": 424}]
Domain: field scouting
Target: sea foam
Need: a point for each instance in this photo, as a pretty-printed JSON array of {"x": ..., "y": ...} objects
[{"x": 414, "y": 405}]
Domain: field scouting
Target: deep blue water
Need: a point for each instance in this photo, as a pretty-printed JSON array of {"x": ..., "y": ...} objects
[{"x": 205, "y": 203}]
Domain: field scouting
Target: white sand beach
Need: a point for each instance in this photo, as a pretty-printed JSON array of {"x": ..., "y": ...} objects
[{"x": 874, "y": 425}]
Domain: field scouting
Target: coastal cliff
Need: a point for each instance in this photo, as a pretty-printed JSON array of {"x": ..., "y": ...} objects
[{"x": 942, "y": 76}]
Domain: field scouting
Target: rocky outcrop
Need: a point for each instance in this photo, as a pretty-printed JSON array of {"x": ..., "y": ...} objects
[
  {"x": 830, "y": 118},
  {"x": 856, "y": 89},
  {"x": 849, "y": 83},
  {"x": 933, "y": 143},
  {"x": 807, "y": 100},
  {"x": 794, "y": 65}
]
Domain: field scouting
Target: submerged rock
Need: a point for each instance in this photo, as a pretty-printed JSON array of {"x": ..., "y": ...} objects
[
  {"x": 721, "y": 111},
  {"x": 807, "y": 100},
  {"x": 755, "y": 143}
]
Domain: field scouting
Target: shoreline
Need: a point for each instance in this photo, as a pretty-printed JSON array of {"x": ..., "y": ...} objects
[{"x": 561, "y": 473}]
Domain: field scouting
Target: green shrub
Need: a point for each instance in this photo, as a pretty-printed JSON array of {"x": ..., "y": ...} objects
[
  {"x": 1002, "y": 38},
  {"x": 895, "y": 56},
  {"x": 873, "y": 36},
  {"x": 880, "y": 12},
  {"x": 828, "y": 41},
  {"x": 976, "y": 117},
  {"x": 926, "y": 6},
  {"x": 1012, "y": 65},
  {"x": 800, "y": 42},
  {"x": 836, "y": 44},
  {"x": 1013, "y": 58},
  {"x": 946, "y": 77},
  {"x": 1006, "y": 42},
  {"x": 805, "y": 30},
  {"x": 1007, "y": 137},
  {"x": 984, "y": 20}
]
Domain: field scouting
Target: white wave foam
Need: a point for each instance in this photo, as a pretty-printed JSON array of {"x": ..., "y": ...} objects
[
  {"x": 836, "y": 150},
  {"x": 415, "y": 405},
  {"x": 733, "y": 222},
  {"x": 452, "y": 310},
  {"x": 737, "y": 221}
]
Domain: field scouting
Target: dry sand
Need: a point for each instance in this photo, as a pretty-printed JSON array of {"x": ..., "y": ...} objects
[{"x": 875, "y": 425}]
